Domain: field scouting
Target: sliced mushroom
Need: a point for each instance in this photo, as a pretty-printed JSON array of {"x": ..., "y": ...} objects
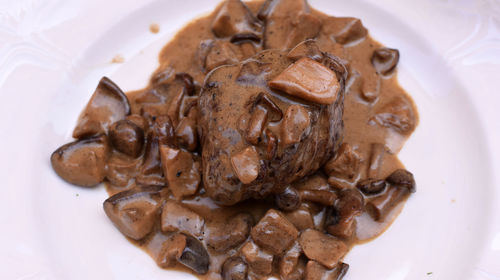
[
  {"x": 176, "y": 217},
  {"x": 163, "y": 130},
  {"x": 256, "y": 124},
  {"x": 301, "y": 218},
  {"x": 372, "y": 186},
  {"x": 121, "y": 169},
  {"x": 151, "y": 173},
  {"x": 344, "y": 29},
  {"x": 221, "y": 53},
  {"x": 325, "y": 249},
  {"x": 134, "y": 212},
  {"x": 107, "y": 105},
  {"x": 385, "y": 60},
  {"x": 246, "y": 165},
  {"x": 224, "y": 236},
  {"x": 326, "y": 198},
  {"x": 171, "y": 250},
  {"x": 340, "y": 221},
  {"x": 380, "y": 206},
  {"x": 295, "y": 125},
  {"x": 304, "y": 26},
  {"x": 272, "y": 144},
  {"x": 260, "y": 261},
  {"x": 274, "y": 232},
  {"x": 289, "y": 199},
  {"x": 345, "y": 164},
  {"x": 290, "y": 259},
  {"x": 127, "y": 137},
  {"x": 316, "y": 271},
  {"x": 186, "y": 133},
  {"x": 279, "y": 16},
  {"x": 233, "y": 18},
  {"x": 402, "y": 178},
  {"x": 234, "y": 268},
  {"x": 181, "y": 170},
  {"x": 309, "y": 80},
  {"x": 188, "y": 81},
  {"x": 307, "y": 48},
  {"x": 397, "y": 114},
  {"x": 274, "y": 112},
  {"x": 195, "y": 256},
  {"x": 82, "y": 162}
]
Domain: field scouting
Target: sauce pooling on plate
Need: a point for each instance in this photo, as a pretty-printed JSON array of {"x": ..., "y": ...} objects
[{"x": 264, "y": 145}]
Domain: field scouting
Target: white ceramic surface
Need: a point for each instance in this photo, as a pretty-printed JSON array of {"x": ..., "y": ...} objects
[{"x": 53, "y": 52}]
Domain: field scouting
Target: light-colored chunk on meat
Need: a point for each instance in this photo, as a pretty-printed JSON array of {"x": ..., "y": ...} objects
[
  {"x": 274, "y": 232},
  {"x": 176, "y": 217},
  {"x": 246, "y": 165},
  {"x": 323, "y": 248},
  {"x": 309, "y": 80}
]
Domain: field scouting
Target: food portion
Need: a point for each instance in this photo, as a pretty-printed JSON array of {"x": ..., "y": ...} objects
[{"x": 265, "y": 145}]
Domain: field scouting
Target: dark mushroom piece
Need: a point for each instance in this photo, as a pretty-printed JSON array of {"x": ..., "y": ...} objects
[
  {"x": 234, "y": 268},
  {"x": 381, "y": 206},
  {"x": 289, "y": 199},
  {"x": 186, "y": 132},
  {"x": 372, "y": 186},
  {"x": 245, "y": 38},
  {"x": 151, "y": 173},
  {"x": 82, "y": 162},
  {"x": 402, "y": 178},
  {"x": 107, "y": 105},
  {"x": 126, "y": 137},
  {"x": 163, "y": 130},
  {"x": 340, "y": 220},
  {"x": 195, "y": 256},
  {"x": 134, "y": 212},
  {"x": 224, "y": 236},
  {"x": 385, "y": 60},
  {"x": 188, "y": 81}
]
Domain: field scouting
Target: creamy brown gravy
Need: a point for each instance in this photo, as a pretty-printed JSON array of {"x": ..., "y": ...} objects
[
  {"x": 376, "y": 110},
  {"x": 180, "y": 55}
]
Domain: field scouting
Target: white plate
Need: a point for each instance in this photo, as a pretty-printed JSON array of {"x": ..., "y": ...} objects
[{"x": 52, "y": 53}]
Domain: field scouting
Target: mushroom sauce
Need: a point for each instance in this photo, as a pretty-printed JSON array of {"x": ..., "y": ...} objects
[{"x": 265, "y": 145}]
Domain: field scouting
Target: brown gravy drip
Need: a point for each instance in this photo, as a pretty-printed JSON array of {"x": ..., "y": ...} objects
[{"x": 180, "y": 55}]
